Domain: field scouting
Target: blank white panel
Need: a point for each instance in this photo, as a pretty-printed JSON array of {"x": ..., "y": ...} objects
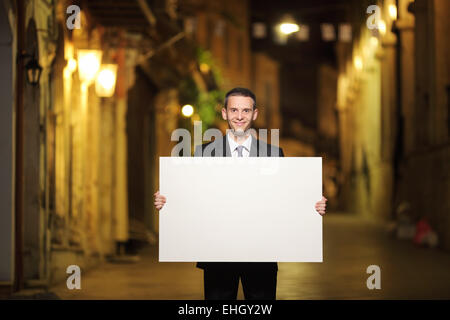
[{"x": 240, "y": 209}]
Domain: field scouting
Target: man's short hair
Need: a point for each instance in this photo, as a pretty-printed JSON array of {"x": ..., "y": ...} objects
[{"x": 241, "y": 92}]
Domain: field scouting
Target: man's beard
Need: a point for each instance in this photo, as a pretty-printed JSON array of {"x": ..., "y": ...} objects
[{"x": 239, "y": 132}]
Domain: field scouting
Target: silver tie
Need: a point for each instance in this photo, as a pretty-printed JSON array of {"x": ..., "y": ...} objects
[{"x": 239, "y": 150}]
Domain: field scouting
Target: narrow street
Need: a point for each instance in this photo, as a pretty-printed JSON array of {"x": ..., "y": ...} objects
[
  {"x": 350, "y": 246},
  {"x": 98, "y": 95}
]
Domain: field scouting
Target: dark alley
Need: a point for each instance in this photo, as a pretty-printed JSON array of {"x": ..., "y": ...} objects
[{"x": 103, "y": 100}]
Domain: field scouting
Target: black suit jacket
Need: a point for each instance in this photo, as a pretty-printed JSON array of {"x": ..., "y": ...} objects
[{"x": 221, "y": 148}]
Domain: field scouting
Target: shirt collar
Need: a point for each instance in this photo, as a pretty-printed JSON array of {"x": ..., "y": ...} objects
[{"x": 233, "y": 144}]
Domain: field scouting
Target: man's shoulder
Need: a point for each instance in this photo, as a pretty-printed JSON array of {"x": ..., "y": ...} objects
[{"x": 267, "y": 149}]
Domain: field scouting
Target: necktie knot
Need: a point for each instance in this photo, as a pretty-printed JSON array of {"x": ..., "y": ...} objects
[{"x": 239, "y": 150}]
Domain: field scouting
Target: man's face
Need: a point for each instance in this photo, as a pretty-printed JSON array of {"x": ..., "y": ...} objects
[{"x": 239, "y": 114}]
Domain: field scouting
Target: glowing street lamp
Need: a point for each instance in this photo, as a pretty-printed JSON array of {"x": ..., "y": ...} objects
[
  {"x": 187, "y": 110},
  {"x": 288, "y": 28},
  {"x": 105, "y": 83},
  {"x": 88, "y": 64},
  {"x": 288, "y": 25}
]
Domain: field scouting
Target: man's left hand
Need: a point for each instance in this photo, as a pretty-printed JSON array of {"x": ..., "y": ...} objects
[{"x": 321, "y": 206}]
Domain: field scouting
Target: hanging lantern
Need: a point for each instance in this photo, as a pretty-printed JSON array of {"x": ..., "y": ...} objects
[{"x": 33, "y": 71}]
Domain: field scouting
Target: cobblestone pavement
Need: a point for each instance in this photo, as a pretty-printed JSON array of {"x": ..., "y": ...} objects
[{"x": 350, "y": 246}]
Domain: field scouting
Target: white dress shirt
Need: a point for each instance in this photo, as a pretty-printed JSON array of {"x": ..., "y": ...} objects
[{"x": 233, "y": 146}]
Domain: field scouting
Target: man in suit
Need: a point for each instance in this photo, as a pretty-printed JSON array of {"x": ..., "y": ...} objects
[{"x": 221, "y": 279}]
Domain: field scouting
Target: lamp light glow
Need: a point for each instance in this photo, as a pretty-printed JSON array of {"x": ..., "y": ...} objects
[
  {"x": 187, "y": 110},
  {"x": 392, "y": 11},
  {"x": 288, "y": 28},
  {"x": 72, "y": 65},
  {"x": 105, "y": 82},
  {"x": 382, "y": 27},
  {"x": 358, "y": 63},
  {"x": 88, "y": 64},
  {"x": 204, "y": 68}
]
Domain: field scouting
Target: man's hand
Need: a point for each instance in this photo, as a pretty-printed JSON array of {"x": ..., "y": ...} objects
[
  {"x": 321, "y": 206},
  {"x": 159, "y": 200}
]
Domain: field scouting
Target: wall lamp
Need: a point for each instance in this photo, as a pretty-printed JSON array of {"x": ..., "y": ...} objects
[{"x": 32, "y": 69}]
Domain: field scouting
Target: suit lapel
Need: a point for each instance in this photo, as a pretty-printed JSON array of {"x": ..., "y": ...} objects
[
  {"x": 254, "y": 147},
  {"x": 226, "y": 151}
]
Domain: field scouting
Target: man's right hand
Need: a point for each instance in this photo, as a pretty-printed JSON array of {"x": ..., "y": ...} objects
[{"x": 159, "y": 200}]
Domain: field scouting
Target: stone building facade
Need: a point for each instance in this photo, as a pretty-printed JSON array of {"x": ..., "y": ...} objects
[{"x": 392, "y": 104}]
